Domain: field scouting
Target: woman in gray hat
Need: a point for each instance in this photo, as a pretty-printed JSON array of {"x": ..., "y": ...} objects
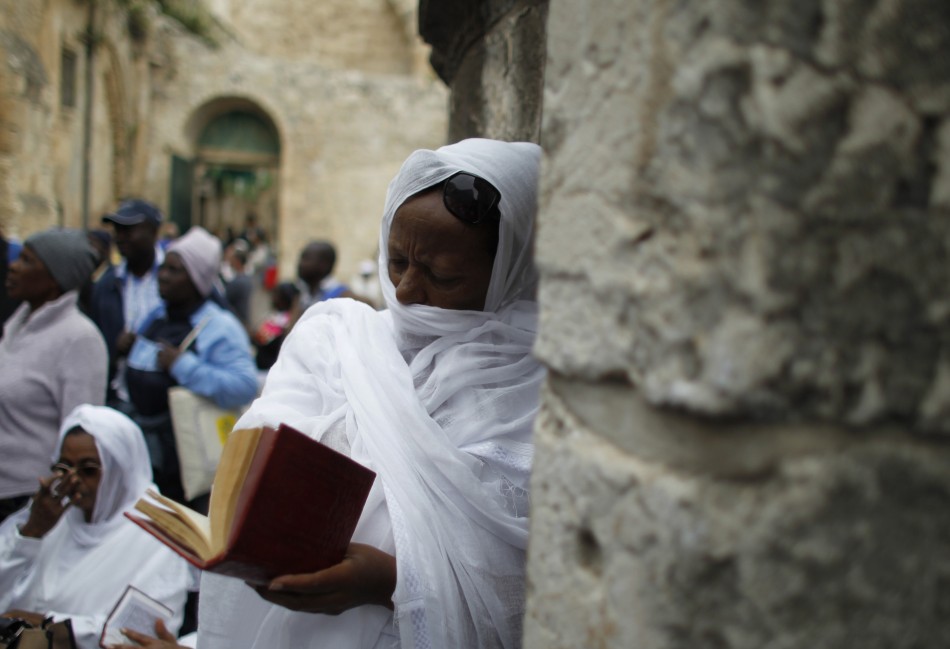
[{"x": 53, "y": 358}]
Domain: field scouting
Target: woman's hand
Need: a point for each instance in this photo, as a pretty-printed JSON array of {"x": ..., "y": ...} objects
[
  {"x": 54, "y": 497},
  {"x": 35, "y": 619},
  {"x": 366, "y": 575},
  {"x": 167, "y": 356},
  {"x": 124, "y": 343},
  {"x": 163, "y": 639}
]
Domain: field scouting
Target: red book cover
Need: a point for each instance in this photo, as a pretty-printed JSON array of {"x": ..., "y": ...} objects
[{"x": 296, "y": 512}]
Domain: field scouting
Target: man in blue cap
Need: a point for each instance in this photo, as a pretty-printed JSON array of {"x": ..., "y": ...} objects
[{"x": 128, "y": 292}]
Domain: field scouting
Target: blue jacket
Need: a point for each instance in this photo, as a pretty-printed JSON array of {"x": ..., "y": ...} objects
[
  {"x": 219, "y": 366},
  {"x": 105, "y": 309}
]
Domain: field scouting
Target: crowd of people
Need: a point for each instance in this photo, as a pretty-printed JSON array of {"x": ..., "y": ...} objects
[{"x": 425, "y": 375}]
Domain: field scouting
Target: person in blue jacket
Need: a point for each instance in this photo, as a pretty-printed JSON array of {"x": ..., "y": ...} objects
[{"x": 215, "y": 361}]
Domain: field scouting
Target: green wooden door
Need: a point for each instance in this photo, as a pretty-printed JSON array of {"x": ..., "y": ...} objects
[{"x": 182, "y": 182}]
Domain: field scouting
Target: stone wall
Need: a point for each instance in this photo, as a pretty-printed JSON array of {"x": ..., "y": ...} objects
[
  {"x": 343, "y": 134},
  {"x": 743, "y": 242},
  {"x": 342, "y": 81},
  {"x": 491, "y": 54}
]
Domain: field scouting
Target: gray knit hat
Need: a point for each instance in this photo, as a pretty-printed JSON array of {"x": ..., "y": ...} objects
[{"x": 67, "y": 254}]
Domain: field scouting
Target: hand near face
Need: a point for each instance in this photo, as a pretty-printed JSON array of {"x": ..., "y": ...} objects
[
  {"x": 54, "y": 497},
  {"x": 366, "y": 575},
  {"x": 163, "y": 639},
  {"x": 167, "y": 355}
]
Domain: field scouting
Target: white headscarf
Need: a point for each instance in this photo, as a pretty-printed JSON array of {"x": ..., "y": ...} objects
[
  {"x": 440, "y": 403},
  {"x": 512, "y": 167},
  {"x": 126, "y": 469}
]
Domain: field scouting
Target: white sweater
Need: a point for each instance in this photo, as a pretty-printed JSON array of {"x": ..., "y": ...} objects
[{"x": 50, "y": 362}]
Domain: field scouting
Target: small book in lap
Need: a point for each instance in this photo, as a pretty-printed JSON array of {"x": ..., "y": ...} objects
[{"x": 281, "y": 504}]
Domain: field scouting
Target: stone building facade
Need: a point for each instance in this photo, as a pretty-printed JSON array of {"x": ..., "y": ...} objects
[
  {"x": 299, "y": 116},
  {"x": 743, "y": 242}
]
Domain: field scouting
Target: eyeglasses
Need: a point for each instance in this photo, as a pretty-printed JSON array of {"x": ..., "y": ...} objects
[
  {"x": 88, "y": 469},
  {"x": 470, "y": 198}
]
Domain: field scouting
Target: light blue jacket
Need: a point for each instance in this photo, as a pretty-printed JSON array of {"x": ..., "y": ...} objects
[{"x": 218, "y": 366}]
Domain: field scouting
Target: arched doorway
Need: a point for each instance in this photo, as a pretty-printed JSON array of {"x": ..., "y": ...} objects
[{"x": 232, "y": 182}]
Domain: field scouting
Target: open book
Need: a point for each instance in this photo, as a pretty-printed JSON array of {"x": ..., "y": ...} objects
[
  {"x": 281, "y": 503},
  {"x": 137, "y": 611}
]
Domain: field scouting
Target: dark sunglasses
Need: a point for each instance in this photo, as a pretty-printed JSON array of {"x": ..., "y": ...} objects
[
  {"x": 470, "y": 198},
  {"x": 84, "y": 470}
]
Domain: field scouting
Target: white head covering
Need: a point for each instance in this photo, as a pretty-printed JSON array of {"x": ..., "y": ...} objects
[
  {"x": 512, "y": 167},
  {"x": 200, "y": 252},
  {"x": 126, "y": 470}
]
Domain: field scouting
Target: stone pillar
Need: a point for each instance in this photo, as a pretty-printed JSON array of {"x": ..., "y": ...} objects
[
  {"x": 744, "y": 243},
  {"x": 491, "y": 55}
]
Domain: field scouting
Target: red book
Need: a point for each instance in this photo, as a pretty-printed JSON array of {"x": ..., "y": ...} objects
[{"x": 281, "y": 504}]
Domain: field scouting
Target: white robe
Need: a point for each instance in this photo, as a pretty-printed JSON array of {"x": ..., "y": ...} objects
[
  {"x": 440, "y": 403},
  {"x": 79, "y": 570}
]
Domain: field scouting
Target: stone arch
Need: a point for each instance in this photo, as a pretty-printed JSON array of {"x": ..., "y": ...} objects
[{"x": 235, "y": 169}]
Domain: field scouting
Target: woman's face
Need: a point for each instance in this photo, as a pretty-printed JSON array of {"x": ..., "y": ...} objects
[
  {"x": 174, "y": 283},
  {"x": 29, "y": 279},
  {"x": 437, "y": 260},
  {"x": 83, "y": 471}
]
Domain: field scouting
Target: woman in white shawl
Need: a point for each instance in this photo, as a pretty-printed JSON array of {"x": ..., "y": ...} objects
[
  {"x": 437, "y": 395},
  {"x": 70, "y": 553}
]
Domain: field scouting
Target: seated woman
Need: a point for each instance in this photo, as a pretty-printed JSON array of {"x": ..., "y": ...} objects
[
  {"x": 217, "y": 364},
  {"x": 71, "y": 553},
  {"x": 52, "y": 357},
  {"x": 438, "y": 396}
]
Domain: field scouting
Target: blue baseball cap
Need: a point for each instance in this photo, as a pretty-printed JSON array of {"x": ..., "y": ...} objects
[{"x": 133, "y": 212}]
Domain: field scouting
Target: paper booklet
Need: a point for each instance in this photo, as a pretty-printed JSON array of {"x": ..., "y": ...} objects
[
  {"x": 281, "y": 503},
  {"x": 137, "y": 611}
]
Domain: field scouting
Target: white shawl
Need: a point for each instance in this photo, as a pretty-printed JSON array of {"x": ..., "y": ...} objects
[
  {"x": 79, "y": 570},
  {"x": 440, "y": 403}
]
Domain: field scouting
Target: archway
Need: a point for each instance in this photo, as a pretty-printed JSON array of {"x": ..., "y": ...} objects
[{"x": 232, "y": 181}]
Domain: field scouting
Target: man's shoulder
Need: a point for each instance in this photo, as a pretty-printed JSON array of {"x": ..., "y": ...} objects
[{"x": 108, "y": 280}]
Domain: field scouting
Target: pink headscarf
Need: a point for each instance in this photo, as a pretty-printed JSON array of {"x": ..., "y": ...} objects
[{"x": 200, "y": 252}]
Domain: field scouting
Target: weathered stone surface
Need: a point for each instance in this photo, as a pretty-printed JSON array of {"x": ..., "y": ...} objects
[
  {"x": 773, "y": 200},
  {"x": 492, "y": 56},
  {"x": 824, "y": 549},
  {"x": 342, "y": 81}
]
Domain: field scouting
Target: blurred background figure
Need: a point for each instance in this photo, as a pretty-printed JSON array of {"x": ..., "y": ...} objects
[
  {"x": 126, "y": 293},
  {"x": 53, "y": 358},
  {"x": 217, "y": 364},
  {"x": 366, "y": 283},
  {"x": 270, "y": 335},
  {"x": 238, "y": 285},
  {"x": 168, "y": 233},
  {"x": 8, "y": 252},
  {"x": 315, "y": 277}
]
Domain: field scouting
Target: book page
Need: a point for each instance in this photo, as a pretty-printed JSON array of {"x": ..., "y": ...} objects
[
  {"x": 191, "y": 531},
  {"x": 137, "y": 611},
  {"x": 235, "y": 460}
]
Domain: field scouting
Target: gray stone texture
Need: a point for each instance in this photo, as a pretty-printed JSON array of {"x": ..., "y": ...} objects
[
  {"x": 771, "y": 184},
  {"x": 828, "y": 550},
  {"x": 491, "y": 54},
  {"x": 743, "y": 242}
]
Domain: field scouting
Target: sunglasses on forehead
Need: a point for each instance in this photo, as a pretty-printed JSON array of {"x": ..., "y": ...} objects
[{"x": 470, "y": 198}]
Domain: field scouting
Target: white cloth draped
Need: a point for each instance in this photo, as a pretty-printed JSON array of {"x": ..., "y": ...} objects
[
  {"x": 440, "y": 403},
  {"x": 79, "y": 570}
]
